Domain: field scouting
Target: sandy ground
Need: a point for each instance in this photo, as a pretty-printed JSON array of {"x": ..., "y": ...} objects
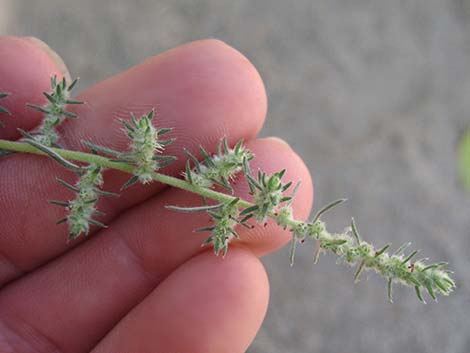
[{"x": 372, "y": 94}]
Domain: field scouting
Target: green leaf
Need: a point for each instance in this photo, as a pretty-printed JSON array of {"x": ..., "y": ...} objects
[
  {"x": 102, "y": 149},
  {"x": 409, "y": 257},
  {"x": 381, "y": 251},
  {"x": 38, "y": 108},
  {"x": 358, "y": 271},
  {"x": 96, "y": 223},
  {"x": 72, "y": 101},
  {"x": 4, "y": 110},
  {"x": 356, "y": 235},
  {"x": 194, "y": 159},
  {"x": 59, "y": 203},
  {"x": 67, "y": 185},
  {"x": 106, "y": 193},
  {"x": 419, "y": 295},
  {"x": 389, "y": 290},
  {"x": 72, "y": 85},
  {"x": 249, "y": 210},
  {"x": 326, "y": 208},
  {"x": 464, "y": 160},
  {"x": 205, "y": 229},
  {"x": 130, "y": 182},
  {"x": 293, "y": 245},
  {"x": 194, "y": 209},
  {"x": 51, "y": 153}
]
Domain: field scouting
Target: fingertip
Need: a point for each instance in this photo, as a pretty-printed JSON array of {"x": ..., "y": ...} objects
[
  {"x": 53, "y": 55},
  {"x": 233, "y": 75}
]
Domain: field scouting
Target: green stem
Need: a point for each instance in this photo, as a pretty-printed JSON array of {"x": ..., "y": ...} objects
[
  {"x": 353, "y": 250},
  {"x": 124, "y": 167}
]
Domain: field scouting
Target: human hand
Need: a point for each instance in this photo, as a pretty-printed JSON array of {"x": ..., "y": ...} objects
[{"x": 144, "y": 284}]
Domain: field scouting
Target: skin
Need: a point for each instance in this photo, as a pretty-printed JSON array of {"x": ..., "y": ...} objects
[{"x": 144, "y": 284}]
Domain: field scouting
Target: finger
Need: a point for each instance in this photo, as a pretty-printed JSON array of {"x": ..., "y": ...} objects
[
  {"x": 204, "y": 90},
  {"x": 208, "y": 305},
  {"x": 99, "y": 282},
  {"x": 26, "y": 67}
]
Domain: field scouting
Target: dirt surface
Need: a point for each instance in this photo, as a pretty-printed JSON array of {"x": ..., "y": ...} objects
[{"x": 372, "y": 94}]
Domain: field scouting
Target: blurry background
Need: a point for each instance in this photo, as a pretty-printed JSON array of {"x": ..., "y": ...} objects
[{"x": 373, "y": 94}]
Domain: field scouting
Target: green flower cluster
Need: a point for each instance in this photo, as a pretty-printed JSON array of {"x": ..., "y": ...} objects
[
  {"x": 145, "y": 149},
  {"x": 145, "y": 144},
  {"x": 226, "y": 216},
  {"x": 54, "y": 111},
  {"x": 395, "y": 267},
  {"x": 83, "y": 207},
  {"x": 218, "y": 169},
  {"x": 268, "y": 193}
]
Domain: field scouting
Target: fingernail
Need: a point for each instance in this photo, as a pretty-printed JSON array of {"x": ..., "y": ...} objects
[{"x": 52, "y": 54}]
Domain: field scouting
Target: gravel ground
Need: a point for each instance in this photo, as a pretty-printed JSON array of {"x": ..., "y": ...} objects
[{"x": 372, "y": 94}]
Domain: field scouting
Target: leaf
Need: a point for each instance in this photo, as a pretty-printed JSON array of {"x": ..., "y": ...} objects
[
  {"x": 249, "y": 210},
  {"x": 130, "y": 182},
  {"x": 464, "y": 160},
  {"x": 4, "y": 110},
  {"x": 358, "y": 271},
  {"x": 326, "y": 208},
  {"x": 381, "y": 251},
  {"x": 292, "y": 251},
  {"x": 193, "y": 209},
  {"x": 96, "y": 223},
  {"x": 409, "y": 257},
  {"x": 356, "y": 235},
  {"x": 98, "y": 148},
  {"x": 51, "y": 153}
]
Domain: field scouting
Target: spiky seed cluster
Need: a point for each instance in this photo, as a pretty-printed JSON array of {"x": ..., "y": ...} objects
[
  {"x": 145, "y": 148},
  {"x": 225, "y": 216},
  {"x": 145, "y": 144},
  {"x": 82, "y": 208},
  {"x": 54, "y": 111},
  {"x": 218, "y": 169},
  {"x": 3, "y": 109},
  {"x": 268, "y": 194},
  {"x": 396, "y": 268}
]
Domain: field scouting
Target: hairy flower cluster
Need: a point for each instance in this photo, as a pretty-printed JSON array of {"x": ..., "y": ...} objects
[
  {"x": 268, "y": 194},
  {"x": 54, "y": 111},
  {"x": 225, "y": 217},
  {"x": 396, "y": 268},
  {"x": 3, "y": 109},
  {"x": 218, "y": 169},
  {"x": 83, "y": 207},
  {"x": 145, "y": 148},
  {"x": 144, "y": 145}
]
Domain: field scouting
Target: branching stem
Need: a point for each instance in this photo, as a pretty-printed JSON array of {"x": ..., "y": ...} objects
[
  {"x": 124, "y": 167},
  {"x": 127, "y": 168},
  {"x": 268, "y": 194}
]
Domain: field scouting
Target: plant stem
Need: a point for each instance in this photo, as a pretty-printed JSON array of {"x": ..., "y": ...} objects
[
  {"x": 124, "y": 167},
  {"x": 351, "y": 249}
]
